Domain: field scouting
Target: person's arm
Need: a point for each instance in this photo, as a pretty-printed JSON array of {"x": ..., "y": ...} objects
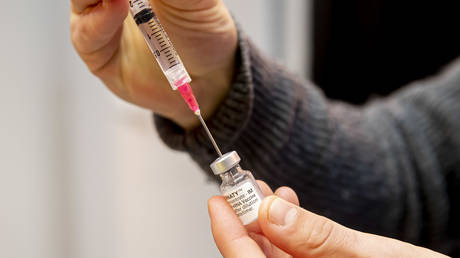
[
  {"x": 380, "y": 168},
  {"x": 358, "y": 166}
]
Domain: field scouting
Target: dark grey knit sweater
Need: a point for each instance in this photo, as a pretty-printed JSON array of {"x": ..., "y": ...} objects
[{"x": 391, "y": 167}]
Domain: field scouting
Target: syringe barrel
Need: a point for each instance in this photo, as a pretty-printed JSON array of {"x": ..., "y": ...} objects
[{"x": 159, "y": 43}]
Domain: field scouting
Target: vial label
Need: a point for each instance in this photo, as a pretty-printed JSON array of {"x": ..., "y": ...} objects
[{"x": 245, "y": 201}]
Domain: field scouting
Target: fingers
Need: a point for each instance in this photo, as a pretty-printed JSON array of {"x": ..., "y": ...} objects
[
  {"x": 286, "y": 193},
  {"x": 266, "y": 190},
  {"x": 230, "y": 236},
  {"x": 263, "y": 243},
  {"x": 78, "y": 6},
  {"x": 283, "y": 192},
  {"x": 297, "y": 231},
  {"x": 96, "y": 32},
  {"x": 93, "y": 29},
  {"x": 305, "y": 234},
  {"x": 268, "y": 248}
]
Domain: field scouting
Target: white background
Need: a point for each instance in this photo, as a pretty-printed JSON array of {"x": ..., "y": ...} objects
[{"x": 82, "y": 173}]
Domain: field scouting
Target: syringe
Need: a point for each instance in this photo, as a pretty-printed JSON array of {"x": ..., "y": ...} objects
[{"x": 167, "y": 57}]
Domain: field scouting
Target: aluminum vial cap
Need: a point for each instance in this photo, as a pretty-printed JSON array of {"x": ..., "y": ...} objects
[{"x": 225, "y": 162}]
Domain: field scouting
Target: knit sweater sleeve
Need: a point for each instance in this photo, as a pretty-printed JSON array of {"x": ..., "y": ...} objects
[{"x": 380, "y": 168}]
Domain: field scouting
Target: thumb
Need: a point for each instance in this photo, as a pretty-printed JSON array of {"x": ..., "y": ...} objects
[{"x": 304, "y": 234}]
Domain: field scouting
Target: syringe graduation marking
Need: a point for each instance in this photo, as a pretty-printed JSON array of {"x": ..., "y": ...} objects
[
  {"x": 143, "y": 16},
  {"x": 158, "y": 41}
]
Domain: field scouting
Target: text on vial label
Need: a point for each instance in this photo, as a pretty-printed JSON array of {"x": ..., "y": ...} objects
[{"x": 244, "y": 201}]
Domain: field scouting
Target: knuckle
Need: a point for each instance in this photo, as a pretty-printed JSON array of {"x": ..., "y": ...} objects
[
  {"x": 316, "y": 235},
  {"x": 77, "y": 36},
  {"x": 74, "y": 24},
  {"x": 82, "y": 36}
]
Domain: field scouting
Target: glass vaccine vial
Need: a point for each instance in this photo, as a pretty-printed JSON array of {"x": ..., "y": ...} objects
[{"x": 239, "y": 187}]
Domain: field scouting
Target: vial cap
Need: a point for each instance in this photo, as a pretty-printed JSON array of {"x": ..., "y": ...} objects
[{"x": 225, "y": 163}]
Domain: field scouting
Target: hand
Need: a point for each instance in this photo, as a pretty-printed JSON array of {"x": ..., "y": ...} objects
[
  {"x": 113, "y": 48},
  {"x": 287, "y": 230}
]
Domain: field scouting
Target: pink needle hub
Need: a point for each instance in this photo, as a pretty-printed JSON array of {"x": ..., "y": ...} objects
[{"x": 187, "y": 94}]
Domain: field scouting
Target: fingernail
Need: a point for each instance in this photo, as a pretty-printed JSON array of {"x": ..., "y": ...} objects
[{"x": 282, "y": 213}]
